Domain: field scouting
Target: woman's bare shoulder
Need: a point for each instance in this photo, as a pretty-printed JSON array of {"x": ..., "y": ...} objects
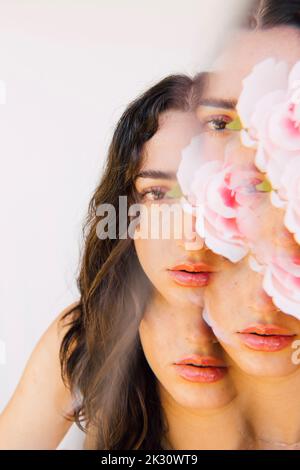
[
  {"x": 47, "y": 348},
  {"x": 64, "y": 319},
  {"x": 41, "y": 399}
]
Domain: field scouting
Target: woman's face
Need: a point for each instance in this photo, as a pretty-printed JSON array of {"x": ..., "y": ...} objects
[
  {"x": 170, "y": 335},
  {"x": 171, "y": 254},
  {"x": 257, "y": 336},
  {"x": 172, "y": 329},
  {"x": 167, "y": 245}
]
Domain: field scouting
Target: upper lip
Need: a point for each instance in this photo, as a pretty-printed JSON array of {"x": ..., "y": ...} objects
[
  {"x": 193, "y": 267},
  {"x": 208, "y": 361},
  {"x": 268, "y": 330}
]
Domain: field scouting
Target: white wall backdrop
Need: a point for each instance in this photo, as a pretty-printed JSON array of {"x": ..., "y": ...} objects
[{"x": 69, "y": 68}]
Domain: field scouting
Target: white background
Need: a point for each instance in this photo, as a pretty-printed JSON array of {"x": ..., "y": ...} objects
[{"x": 70, "y": 68}]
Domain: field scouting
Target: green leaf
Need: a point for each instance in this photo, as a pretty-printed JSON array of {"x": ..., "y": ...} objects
[
  {"x": 175, "y": 192},
  {"x": 265, "y": 186},
  {"x": 235, "y": 125}
]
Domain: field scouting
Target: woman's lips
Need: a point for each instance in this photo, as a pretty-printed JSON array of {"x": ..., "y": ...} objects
[
  {"x": 201, "y": 369},
  {"x": 268, "y": 338},
  {"x": 191, "y": 275},
  {"x": 190, "y": 279}
]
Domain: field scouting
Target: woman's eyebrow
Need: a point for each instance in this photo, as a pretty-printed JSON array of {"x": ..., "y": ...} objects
[
  {"x": 218, "y": 103},
  {"x": 157, "y": 174}
]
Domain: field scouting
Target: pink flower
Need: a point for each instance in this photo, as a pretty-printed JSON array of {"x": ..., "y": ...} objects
[
  {"x": 224, "y": 195},
  {"x": 266, "y": 77},
  {"x": 193, "y": 157},
  {"x": 282, "y": 282},
  {"x": 279, "y": 264},
  {"x": 290, "y": 192},
  {"x": 269, "y": 109}
]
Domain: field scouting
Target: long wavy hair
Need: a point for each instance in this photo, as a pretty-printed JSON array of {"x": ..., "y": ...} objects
[{"x": 101, "y": 356}]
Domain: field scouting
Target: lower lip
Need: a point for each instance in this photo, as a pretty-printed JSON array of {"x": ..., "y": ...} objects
[
  {"x": 200, "y": 374},
  {"x": 266, "y": 343},
  {"x": 190, "y": 279}
]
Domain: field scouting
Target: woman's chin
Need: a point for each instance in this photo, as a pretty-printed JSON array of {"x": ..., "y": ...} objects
[
  {"x": 202, "y": 397},
  {"x": 265, "y": 364}
]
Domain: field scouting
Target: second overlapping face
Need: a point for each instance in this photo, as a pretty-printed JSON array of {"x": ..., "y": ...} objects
[{"x": 240, "y": 177}]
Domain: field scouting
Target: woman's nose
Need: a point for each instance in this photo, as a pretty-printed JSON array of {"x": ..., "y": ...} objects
[
  {"x": 189, "y": 238},
  {"x": 197, "y": 332},
  {"x": 262, "y": 302}
]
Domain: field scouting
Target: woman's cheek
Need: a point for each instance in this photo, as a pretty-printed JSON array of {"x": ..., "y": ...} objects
[{"x": 151, "y": 341}]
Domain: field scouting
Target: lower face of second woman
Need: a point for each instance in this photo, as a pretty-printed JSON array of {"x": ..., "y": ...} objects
[
  {"x": 185, "y": 357},
  {"x": 256, "y": 335}
]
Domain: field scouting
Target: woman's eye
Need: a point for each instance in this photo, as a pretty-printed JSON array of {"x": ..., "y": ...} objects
[
  {"x": 153, "y": 194},
  {"x": 217, "y": 124}
]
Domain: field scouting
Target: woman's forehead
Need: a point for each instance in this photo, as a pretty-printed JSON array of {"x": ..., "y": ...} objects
[
  {"x": 246, "y": 49},
  {"x": 176, "y": 129}
]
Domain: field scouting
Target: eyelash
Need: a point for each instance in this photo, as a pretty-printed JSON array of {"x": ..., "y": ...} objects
[
  {"x": 219, "y": 120},
  {"x": 154, "y": 190}
]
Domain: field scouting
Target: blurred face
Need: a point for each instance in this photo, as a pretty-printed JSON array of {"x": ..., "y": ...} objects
[
  {"x": 255, "y": 334},
  {"x": 179, "y": 347}
]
